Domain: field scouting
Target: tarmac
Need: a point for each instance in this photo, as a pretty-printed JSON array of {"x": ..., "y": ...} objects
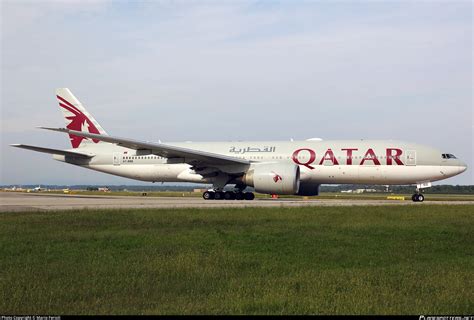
[{"x": 18, "y": 202}]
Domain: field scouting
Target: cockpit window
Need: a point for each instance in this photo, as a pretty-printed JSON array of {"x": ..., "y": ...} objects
[{"x": 448, "y": 156}]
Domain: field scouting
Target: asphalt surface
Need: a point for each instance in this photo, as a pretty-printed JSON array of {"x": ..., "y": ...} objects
[{"x": 14, "y": 201}]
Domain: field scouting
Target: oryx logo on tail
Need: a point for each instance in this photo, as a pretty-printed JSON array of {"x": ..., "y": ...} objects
[
  {"x": 79, "y": 122},
  {"x": 77, "y": 118}
]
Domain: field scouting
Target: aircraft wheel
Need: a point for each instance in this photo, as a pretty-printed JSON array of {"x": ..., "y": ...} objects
[
  {"x": 219, "y": 195},
  {"x": 418, "y": 197},
  {"x": 249, "y": 196},
  {"x": 239, "y": 196},
  {"x": 208, "y": 195},
  {"x": 229, "y": 195}
]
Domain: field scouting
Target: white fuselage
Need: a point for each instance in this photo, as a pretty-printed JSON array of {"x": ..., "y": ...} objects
[{"x": 321, "y": 162}]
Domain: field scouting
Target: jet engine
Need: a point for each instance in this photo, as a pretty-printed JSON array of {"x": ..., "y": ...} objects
[{"x": 274, "y": 178}]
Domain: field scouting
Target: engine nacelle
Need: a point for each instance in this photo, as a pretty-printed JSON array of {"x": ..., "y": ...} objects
[
  {"x": 274, "y": 178},
  {"x": 308, "y": 189}
]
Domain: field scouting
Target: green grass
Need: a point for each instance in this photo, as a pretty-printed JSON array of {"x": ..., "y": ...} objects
[{"x": 338, "y": 260}]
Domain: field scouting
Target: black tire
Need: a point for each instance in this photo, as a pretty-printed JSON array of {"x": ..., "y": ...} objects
[
  {"x": 229, "y": 195},
  {"x": 208, "y": 195},
  {"x": 219, "y": 195},
  {"x": 414, "y": 197},
  {"x": 239, "y": 196},
  {"x": 249, "y": 196},
  {"x": 420, "y": 198}
]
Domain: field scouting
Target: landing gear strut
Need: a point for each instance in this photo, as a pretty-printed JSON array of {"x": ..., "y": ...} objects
[{"x": 228, "y": 195}]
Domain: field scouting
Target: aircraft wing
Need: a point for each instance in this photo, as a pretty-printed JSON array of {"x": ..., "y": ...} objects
[
  {"x": 54, "y": 151},
  {"x": 190, "y": 156}
]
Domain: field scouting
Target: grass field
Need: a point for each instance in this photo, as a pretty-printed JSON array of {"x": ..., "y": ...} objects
[{"x": 337, "y": 260}]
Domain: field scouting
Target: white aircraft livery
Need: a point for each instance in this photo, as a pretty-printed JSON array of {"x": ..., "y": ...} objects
[{"x": 271, "y": 167}]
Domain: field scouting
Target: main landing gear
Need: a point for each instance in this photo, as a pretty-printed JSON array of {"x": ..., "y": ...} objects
[{"x": 228, "y": 195}]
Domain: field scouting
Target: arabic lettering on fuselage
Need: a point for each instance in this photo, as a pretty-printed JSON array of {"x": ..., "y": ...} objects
[{"x": 251, "y": 149}]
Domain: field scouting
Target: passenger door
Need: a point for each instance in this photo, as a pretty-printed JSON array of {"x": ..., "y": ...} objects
[
  {"x": 411, "y": 158},
  {"x": 117, "y": 158}
]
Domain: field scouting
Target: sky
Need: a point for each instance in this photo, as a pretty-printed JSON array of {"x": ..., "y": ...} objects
[{"x": 235, "y": 70}]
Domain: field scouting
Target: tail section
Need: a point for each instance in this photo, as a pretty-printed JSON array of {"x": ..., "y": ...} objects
[{"x": 77, "y": 118}]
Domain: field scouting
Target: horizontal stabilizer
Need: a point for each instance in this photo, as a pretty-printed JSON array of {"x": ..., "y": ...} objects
[{"x": 54, "y": 151}]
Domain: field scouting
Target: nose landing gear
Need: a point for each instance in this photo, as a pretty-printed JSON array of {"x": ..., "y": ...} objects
[{"x": 418, "y": 197}]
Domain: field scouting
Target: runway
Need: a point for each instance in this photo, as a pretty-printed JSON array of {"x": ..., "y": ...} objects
[{"x": 13, "y": 201}]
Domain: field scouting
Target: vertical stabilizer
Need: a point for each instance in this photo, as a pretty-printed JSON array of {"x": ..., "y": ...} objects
[{"x": 77, "y": 118}]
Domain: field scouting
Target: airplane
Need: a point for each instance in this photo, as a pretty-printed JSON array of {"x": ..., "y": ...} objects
[
  {"x": 270, "y": 167},
  {"x": 37, "y": 189}
]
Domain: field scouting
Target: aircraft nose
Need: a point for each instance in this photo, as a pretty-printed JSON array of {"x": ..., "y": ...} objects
[{"x": 462, "y": 166}]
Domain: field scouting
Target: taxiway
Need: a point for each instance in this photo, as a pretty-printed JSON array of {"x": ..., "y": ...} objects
[{"x": 13, "y": 201}]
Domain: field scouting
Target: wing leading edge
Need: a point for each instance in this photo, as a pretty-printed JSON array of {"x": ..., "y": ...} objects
[{"x": 191, "y": 156}]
